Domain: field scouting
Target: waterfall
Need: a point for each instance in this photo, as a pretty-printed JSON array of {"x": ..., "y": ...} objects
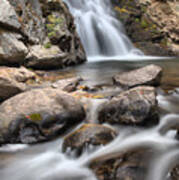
[{"x": 102, "y": 35}]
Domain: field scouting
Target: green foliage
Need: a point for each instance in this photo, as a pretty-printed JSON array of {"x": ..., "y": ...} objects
[
  {"x": 51, "y": 34},
  {"x": 137, "y": 20},
  {"x": 144, "y": 23},
  {"x": 47, "y": 45},
  {"x": 53, "y": 26},
  {"x": 50, "y": 27},
  {"x": 55, "y": 20}
]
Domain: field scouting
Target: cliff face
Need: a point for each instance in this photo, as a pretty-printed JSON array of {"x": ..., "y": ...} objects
[
  {"x": 152, "y": 25},
  {"x": 39, "y": 34}
]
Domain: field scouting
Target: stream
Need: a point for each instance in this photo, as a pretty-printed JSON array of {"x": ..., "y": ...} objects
[
  {"x": 47, "y": 162},
  {"x": 109, "y": 51}
]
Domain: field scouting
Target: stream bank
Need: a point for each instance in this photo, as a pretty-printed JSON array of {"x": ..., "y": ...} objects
[{"x": 152, "y": 25}]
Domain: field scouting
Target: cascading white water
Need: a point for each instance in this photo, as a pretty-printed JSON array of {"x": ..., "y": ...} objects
[
  {"x": 48, "y": 162},
  {"x": 102, "y": 35}
]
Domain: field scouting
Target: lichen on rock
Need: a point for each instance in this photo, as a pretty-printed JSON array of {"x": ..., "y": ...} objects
[
  {"x": 25, "y": 24},
  {"x": 151, "y": 25}
]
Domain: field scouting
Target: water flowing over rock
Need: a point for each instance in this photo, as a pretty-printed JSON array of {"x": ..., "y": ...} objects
[
  {"x": 152, "y": 25},
  {"x": 136, "y": 106},
  {"x": 86, "y": 135},
  {"x": 126, "y": 166},
  {"x": 148, "y": 75},
  {"x": 175, "y": 173},
  {"x": 101, "y": 33},
  {"x": 38, "y": 115}
]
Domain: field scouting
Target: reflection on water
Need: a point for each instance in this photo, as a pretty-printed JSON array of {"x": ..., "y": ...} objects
[{"x": 102, "y": 71}]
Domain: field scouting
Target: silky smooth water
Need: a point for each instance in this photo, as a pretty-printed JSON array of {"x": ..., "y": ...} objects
[
  {"x": 103, "y": 38},
  {"x": 47, "y": 162},
  {"x": 102, "y": 35}
]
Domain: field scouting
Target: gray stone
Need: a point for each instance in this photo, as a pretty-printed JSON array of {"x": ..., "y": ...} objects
[
  {"x": 148, "y": 75},
  {"x": 124, "y": 165},
  {"x": 31, "y": 19},
  {"x": 8, "y": 16},
  {"x": 40, "y": 57},
  {"x": 68, "y": 85},
  {"x": 88, "y": 134},
  {"x": 12, "y": 50},
  {"x": 136, "y": 106},
  {"x": 12, "y": 81},
  {"x": 38, "y": 115}
]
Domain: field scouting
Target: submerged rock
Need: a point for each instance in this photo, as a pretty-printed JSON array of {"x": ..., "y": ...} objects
[
  {"x": 38, "y": 115},
  {"x": 174, "y": 174},
  {"x": 68, "y": 85},
  {"x": 148, "y": 75},
  {"x": 131, "y": 165},
  {"x": 135, "y": 106},
  {"x": 12, "y": 81},
  {"x": 88, "y": 134}
]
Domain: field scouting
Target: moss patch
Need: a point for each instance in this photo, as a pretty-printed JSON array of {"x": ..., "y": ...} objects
[
  {"x": 35, "y": 117},
  {"x": 54, "y": 23},
  {"x": 47, "y": 45}
]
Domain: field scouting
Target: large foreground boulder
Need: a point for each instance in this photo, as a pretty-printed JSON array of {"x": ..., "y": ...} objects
[
  {"x": 38, "y": 115},
  {"x": 12, "y": 81},
  {"x": 148, "y": 75},
  {"x": 88, "y": 134},
  {"x": 135, "y": 106}
]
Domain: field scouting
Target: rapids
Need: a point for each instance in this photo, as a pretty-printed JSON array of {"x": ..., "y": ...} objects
[
  {"x": 103, "y": 38},
  {"x": 47, "y": 162}
]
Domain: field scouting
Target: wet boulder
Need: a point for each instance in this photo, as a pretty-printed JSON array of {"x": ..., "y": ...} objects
[
  {"x": 137, "y": 106},
  {"x": 174, "y": 173},
  {"x": 12, "y": 81},
  {"x": 131, "y": 165},
  {"x": 38, "y": 115},
  {"x": 148, "y": 75},
  {"x": 88, "y": 134}
]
